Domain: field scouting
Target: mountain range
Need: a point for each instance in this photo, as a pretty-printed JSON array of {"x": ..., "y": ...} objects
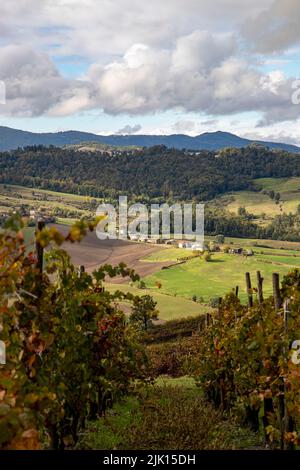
[{"x": 11, "y": 139}]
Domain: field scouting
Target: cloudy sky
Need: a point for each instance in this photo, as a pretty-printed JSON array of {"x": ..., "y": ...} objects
[{"x": 165, "y": 66}]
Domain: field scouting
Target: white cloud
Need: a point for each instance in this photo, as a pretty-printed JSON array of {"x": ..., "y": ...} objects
[
  {"x": 34, "y": 86},
  {"x": 103, "y": 29},
  {"x": 184, "y": 126},
  {"x": 129, "y": 130},
  {"x": 148, "y": 80},
  {"x": 147, "y": 57}
]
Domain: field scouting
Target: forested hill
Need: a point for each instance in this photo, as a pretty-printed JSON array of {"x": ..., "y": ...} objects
[
  {"x": 157, "y": 172},
  {"x": 11, "y": 139}
]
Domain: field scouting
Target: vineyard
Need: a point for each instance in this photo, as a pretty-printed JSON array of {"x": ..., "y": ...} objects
[
  {"x": 73, "y": 356},
  {"x": 248, "y": 360},
  {"x": 69, "y": 350}
]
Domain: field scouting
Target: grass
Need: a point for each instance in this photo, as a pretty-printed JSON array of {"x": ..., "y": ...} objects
[
  {"x": 292, "y": 260},
  {"x": 172, "y": 414},
  {"x": 219, "y": 276},
  {"x": 258, "y": 203},
  {"x": 170, "y": 307},
  {"x": 13, "y": 197},
  {"x": 255, "y": 203},
  {"x": 280, "y": 185},
  {"x": 169, "y": 254},
  {"x": 260, "y": 244},
  {"x": 27, "y": 192}
]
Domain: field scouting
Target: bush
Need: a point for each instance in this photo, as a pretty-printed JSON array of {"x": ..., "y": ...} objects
[
  {"x": 173, "y": 358},
  {"x": 214, "y": 302},
  {"x": 220, "y": 239},
  {"x": 207, "y": 256}
]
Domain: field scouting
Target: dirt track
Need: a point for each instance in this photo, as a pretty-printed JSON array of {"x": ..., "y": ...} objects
[{"x": 92, "y": 252}]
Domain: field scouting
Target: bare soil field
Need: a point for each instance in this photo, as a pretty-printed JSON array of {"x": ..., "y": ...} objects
[{"x": 92, "y": 252}]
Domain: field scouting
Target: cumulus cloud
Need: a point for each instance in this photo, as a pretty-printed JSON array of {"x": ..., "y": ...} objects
[
  {"x": 276, "y": 28},
  {"x": 278, "y": 136},
  {"x": 101, "y": 29},
  {"x": 146, "y": 57},
  {"x": 147, "y": 80},
  {"x": 35, "y": 87},
  {"x": 129, "y": 130},
  {"x": 184, "y": 126}
]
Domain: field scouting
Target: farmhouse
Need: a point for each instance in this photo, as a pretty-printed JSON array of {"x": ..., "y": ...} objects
[{"x": 236, "y": 251}]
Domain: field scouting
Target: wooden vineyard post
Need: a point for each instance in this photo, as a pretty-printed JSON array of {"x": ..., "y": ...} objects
[
  {"x": 81, "y": 270},
  {"x": 288, "y": 422},
  {"x": 260, "y": 288},
  {"x": 276, "y": 292},
  {"x": 237, "y": 291},
  {"x": 39, "y": 248},
  {"x": 249, "y": 290},
  {"x": 219, "y": 308},
  {"x": 207, "y": 319},
  {"x": 268, "y": 409}
]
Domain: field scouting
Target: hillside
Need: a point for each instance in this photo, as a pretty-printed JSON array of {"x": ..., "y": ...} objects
[
  {"x": 13, "y": 138},
  {"x": 153, "y": 173},
  {"x": 259, "y": 202}
]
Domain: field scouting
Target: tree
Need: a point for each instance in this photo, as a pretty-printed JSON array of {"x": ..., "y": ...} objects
[
  {"x": 220, "y": 238},
  {"x": 211, "y": 246},
  {"x": 207, "y": 256},
  {"x": 144, "y": 311},
  {"x": 242, "y": 211}
]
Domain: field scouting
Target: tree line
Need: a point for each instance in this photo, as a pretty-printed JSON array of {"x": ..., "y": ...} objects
[{"x": 147, "y": 174}]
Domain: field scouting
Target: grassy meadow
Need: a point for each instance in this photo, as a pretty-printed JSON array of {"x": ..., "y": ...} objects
[
  {"x": 72, "y": 206},
  {"x": 215, "y": 278},
  {"x": 258, "y": 203},
  {"x": 170, "y": 307},
  {"x": 182, "y": 282}
]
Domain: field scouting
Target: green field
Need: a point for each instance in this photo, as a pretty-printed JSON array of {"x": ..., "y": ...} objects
[
  {"x": 169, "y": 254},
  {"x": 258, "y": 203},
  {"x": 281, "y": 185},
  {"x": 219, "y": 276},
  {"x": 73, "y": 206},
  {"x": 170, "y": 307}
]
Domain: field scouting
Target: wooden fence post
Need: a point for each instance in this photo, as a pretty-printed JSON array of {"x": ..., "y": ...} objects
[
  {"x": 260, "y": 281},
  {"x": 39, "y": 248},
  {"x": 276, "y": 292},
  {"x": 237, "y": 291},
  {"x": 249, "y": 290}
]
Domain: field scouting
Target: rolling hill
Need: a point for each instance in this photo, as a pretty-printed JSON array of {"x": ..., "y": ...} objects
[{"x": 11, "y": 139}]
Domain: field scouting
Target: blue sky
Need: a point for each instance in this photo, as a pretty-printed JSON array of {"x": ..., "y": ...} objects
[{"x": 184, "y": 66}]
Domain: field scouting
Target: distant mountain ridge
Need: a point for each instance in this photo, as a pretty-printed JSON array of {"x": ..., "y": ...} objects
[{"x": 11, "y": 139}]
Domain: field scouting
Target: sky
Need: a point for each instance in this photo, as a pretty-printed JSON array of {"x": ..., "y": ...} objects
[{"x": 159, "y": 67}]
